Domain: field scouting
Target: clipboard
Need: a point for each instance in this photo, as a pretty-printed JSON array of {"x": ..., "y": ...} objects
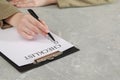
[{"x": 47, "y": 57}]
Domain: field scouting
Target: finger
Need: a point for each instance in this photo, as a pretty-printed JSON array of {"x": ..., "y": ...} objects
[
  {"x": 28, "y": 4},
  {"x": 38, "y": 24},
  {"x": 43, "y": 27},
  {"x": 28, "y": 31},
  {"x": 24, "y": 28},
  {"x": 43, "y": 22},
  {"x": 32, "y": 27},
  {"x": 25, "y": 35},
  {"x": 33, "y": 21}
]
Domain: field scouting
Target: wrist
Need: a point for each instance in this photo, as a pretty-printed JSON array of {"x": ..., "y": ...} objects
[{"x": 14, "y": 19}]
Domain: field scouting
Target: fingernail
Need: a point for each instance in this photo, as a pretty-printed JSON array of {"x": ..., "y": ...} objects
[{"x": 47, "y": 31}]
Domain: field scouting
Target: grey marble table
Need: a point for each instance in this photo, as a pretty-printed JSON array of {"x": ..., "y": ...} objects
[{"x": 95, "y": 30}]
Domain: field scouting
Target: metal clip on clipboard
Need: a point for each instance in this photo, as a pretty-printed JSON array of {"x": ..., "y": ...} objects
[{"x": 47, "y": 57}]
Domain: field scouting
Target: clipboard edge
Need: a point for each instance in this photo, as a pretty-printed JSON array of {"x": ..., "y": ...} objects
[{"x": 32, "y": 65}]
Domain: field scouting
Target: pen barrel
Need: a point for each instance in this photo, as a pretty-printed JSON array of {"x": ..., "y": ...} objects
[
  {"x": 36, "y": 17},
  {"x": 33, "y": 14}
]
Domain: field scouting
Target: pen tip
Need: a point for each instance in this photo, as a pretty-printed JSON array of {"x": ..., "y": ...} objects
[{"x": 51, "y": 36}]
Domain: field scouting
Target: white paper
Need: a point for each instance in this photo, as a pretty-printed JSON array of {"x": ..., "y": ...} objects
[{"x": 23, "y": 52}]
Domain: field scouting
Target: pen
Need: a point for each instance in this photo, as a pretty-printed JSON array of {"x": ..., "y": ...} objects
[{"x": 36, "y": 17}]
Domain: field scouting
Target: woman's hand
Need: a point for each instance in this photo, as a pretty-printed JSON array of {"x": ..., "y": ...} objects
[
  {"x": 32, "y": 3},
  {"x": 27, "y": 26}
]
